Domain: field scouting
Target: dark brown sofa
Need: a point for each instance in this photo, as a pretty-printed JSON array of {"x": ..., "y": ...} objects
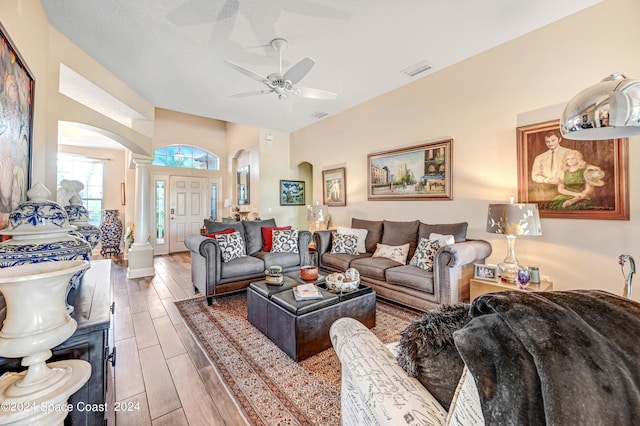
[{"x": 406, "y": 284}]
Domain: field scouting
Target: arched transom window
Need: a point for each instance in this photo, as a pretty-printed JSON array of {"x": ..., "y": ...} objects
[{"x": 185, "y": 156}]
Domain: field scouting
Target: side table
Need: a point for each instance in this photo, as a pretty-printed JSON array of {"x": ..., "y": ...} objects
[{"x": 478, "y": 287}]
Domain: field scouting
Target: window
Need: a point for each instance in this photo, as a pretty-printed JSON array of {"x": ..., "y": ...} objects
[
  {"x": 90, "y": 172},
  {"x": 160, "y": 202},
  {"x": 214, "y": 201},
  {"x": 184, "y": 156}
]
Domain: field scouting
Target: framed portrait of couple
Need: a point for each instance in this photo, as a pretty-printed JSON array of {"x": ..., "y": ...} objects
[{"x": 572, "y": 178}]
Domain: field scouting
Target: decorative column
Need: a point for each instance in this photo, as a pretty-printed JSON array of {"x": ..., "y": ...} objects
[{"x": 141, "y": 251}]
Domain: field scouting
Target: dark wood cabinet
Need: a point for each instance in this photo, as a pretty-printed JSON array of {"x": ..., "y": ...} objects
[{"x": 93, "y": 342}]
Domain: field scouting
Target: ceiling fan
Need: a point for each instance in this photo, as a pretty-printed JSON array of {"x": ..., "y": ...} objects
[{"x": 283, "y": 84}]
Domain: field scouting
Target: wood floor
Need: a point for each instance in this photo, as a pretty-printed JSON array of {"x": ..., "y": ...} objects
[{"x": 161, "y": 376}]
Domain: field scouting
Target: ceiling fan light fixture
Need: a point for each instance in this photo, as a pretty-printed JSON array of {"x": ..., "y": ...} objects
[
  {"x": 607, "y": 110},
  {"x": 281, "y": 84}
]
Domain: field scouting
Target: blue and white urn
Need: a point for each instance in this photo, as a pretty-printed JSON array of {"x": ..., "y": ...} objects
[
  {"x": 39, "y": 230},
  {"x": 111, "y": 229},
  {"x": 79, "y": 217}
]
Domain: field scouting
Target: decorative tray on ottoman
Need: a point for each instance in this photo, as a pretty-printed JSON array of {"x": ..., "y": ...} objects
[{"x": 362, "y": 289}]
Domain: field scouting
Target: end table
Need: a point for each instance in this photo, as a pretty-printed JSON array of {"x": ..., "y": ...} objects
[{"x": 478, "y": 287}]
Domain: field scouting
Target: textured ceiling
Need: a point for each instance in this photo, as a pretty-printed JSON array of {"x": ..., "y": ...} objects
[{"x": 172, "y": 52}]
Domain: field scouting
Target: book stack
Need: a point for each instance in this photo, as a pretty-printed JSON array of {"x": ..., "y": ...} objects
[{"x": 306, "y": 292}]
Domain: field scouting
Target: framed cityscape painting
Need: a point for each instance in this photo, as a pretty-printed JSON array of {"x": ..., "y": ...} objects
[
  {"x": 572, "y": 179},
  {"x": 334, "y": 187},
  {"x": 16, "y": 128},
  {"x": 292, "y": 193},
  {"x": 421, "y": 172}
]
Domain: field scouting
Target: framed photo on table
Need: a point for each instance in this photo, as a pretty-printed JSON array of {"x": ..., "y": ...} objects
[
  {"x": 485, "y": 272},
  {"x": 421, "y": 172},
  {"x": 292, "y": 193},
  {"x": 334, "y": 187},
  {"x": 571, "y": 178},
  {"x": 16, "y": 104}
]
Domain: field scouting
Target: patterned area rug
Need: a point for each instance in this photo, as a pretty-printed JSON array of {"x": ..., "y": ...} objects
[{"x": 269, "y": 386}]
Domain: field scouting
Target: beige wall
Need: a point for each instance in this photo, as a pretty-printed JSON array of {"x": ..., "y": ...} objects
[
  {"x": 276, "y": 164},
  {"x": 479, "y": 103}
]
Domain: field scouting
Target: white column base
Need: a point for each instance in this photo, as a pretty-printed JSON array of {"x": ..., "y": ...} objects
[{"x": 140, "y": 261}]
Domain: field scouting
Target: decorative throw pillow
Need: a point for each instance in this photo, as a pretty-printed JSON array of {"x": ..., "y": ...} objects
[
  {"x": 285, "y": 241},
  {"x": 267, "y": 235},
  {"x": 360, "y": 233},
  {"x": 465, "y": 407},
  {"x": 231, "y": 246},
  {"x": 427, "y": 351},
  {"x": 396, "y": 253},
  {"x": 425, "y": 253},
  {"x": 344, "y": 243},
  {"x": 226, "y": 231},
  {"x": 444, "y": 240}
]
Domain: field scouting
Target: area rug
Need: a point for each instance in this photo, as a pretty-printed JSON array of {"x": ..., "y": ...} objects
[{"x": 268, "y": 386}]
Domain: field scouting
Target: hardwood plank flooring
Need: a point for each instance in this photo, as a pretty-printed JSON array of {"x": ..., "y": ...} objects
[{"x": 162, "y": 377}]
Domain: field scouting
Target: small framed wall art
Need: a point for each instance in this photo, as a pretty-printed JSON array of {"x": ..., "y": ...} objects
[
  {"x": 292, "y": 193},
  {"x": 334, "y": 187},
  {"x": 485, "y": 272}
]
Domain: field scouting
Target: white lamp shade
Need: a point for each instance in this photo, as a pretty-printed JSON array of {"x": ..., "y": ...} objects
[
  {"x": 607, "y": 110},
  {"x": 316, "y": 212},
  {"x": 514, "y": 219}
]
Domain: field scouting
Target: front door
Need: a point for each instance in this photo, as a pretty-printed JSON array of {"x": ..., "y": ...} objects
[{"x": 187, "y": 209}]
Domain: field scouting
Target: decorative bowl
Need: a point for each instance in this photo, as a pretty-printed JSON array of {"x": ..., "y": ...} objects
[
  {"x": 309, "y": 273},
  {"x": 343, "y": 283}
]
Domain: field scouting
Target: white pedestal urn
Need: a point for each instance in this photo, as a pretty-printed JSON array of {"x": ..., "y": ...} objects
[
  {"x": 39, "y": 230},
  {"x": 79, "y": 217},
  {"x": 111, "y": 230},
  {"x": 36, "y": 321}
]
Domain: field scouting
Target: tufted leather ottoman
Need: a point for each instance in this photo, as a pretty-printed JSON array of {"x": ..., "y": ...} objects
[{"x": 301, "y": 329}]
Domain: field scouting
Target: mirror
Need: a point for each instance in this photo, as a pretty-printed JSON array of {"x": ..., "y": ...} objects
[{"x": 243, "y": 185}]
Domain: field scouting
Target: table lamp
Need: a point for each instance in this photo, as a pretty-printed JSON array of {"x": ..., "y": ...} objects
[
  {"x": 316, "y": 214},
  {"x": 512, "y": 220}
]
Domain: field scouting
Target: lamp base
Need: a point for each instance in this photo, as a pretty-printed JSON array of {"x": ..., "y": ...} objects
[{"x": 508, "y": 272}]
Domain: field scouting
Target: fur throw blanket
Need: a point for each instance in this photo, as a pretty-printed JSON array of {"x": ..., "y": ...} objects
[{"x": 556, "y": 358}]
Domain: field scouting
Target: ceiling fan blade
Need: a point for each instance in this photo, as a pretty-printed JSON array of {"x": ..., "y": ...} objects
[
  {"x": 252, "y": 93},
  {"x": 307, "y": 92},
  {"x": 249, "y": 73},
  {"x": 299, "y": 70}
]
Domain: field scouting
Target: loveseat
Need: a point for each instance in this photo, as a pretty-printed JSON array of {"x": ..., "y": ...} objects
[
  {"x": 557, "y": 358},
  {"x": 421, "y": 287},
  {"x": 212, "y": 275}
]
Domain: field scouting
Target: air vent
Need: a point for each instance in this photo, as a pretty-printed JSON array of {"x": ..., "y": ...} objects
[
  {"x": 319, "y": 114},
  {"x": 416, "y": 69}
]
